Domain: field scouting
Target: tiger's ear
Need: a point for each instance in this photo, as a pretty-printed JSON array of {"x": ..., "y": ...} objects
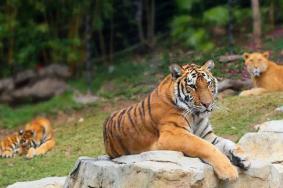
[
  {"x": 246, "y": 56},
  {"x": 176, "y": 71},
  {"x": 266, "y": 54},
  {"x": 21, "y": 132},
  {"x": 209, "y": 65}
]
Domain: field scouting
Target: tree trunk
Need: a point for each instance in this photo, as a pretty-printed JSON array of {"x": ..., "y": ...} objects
[
  {"x": 139, "y": 19},
  {"x": 150, "y": 23},
  {"x": 256, "y": 23},
  {"x": 271, "y": 15}
]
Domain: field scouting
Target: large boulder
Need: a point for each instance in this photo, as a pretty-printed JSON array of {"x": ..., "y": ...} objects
[
  {"x": 267, "y": 143},
  {"x": 49, "y": 182},
  {"x": 166, "y": 169}
]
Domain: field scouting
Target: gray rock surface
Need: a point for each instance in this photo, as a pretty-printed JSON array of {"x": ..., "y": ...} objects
[
  {"x": 166, "y": 169},
  {"x": 49, "y": 182},
  {"x": 267, "y": 143}
]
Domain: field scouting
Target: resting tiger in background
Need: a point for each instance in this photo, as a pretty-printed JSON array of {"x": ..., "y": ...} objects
[
  {"x": 175, "y": 117},
  {"x": 267, "y": 76},
  {"x": 36, "y": 139}
]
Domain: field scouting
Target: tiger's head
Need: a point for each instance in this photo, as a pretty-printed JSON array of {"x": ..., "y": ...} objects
[
  {"x": 26, "y": 137},
  {"x": 256, "y": 62},
  {"x": 194, "y": 87}
]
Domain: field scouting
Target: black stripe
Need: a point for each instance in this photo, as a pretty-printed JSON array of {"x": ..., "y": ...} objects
[
  {"x": 120, "y": 116},
  {"x": 150, "y": 115},
  {"x": 207, "y": 125},
  {"x": 140, "y": 112},
  {"x": 143, "y": 111},
  {"x": 188, "y": 123},
  {"x": 118, "y": 130},
  {"x": 178, "y": 90},
  {"x": 209, "y": 132},
  {"x": 104, "y": 130},
  {"x": 110, "y": 135},
  {"x": 215, "y": 141},
  {"x": 131, "y": 120}
]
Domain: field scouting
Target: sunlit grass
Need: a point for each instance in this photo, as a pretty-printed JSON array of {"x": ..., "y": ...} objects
[
  {"x": 72, "y": 140},
  {"x": 237, "y": 115}
]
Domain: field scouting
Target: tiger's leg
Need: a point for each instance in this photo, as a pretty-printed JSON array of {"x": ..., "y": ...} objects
[
  {"x": 174, "y": 138},
  {"x": 42, "y": 149},
  {"x": 254, "y": 91},
  {"x": 233, "y": 151}
]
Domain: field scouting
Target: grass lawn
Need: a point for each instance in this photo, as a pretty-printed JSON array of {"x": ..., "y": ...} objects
[{"x": 235, "y": 116}]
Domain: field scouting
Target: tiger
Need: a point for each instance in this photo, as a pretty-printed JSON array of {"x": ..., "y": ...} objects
[
  {"x": 175, "y": 116},
  {"x": 36, "y": 138},
  {"x": 266, "y": 75},
  {"x": 10, "y": 145}
]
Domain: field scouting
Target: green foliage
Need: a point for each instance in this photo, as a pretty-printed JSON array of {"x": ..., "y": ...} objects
[
  {"x": 183, "y": 31},
  {"x": 216, "y": 16},
  {"x": 191, "y": 28}
]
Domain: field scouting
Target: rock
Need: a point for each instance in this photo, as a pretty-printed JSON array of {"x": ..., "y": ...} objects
[
  {"x": 275, "y": 126},
  {"x": 49, "y": 182},
  {"x": 263, "y": 146},
  {"x": 38, "y": 91},
  {"x": 279, "y": 109},
  {"x": 32, "y": 85},
  {"x": 55, "y": 70},
  {"x": 166, "y": 169},
  {"x": 267, "y": 143}
]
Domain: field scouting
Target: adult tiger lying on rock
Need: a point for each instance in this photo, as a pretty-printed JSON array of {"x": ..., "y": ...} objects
[{"x": 175, "y": 117}]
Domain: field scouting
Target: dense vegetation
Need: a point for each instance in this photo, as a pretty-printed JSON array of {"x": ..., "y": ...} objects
[{"x": 35, "y": 33}]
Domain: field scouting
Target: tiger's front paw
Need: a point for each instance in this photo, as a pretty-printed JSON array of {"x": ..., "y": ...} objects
[
  {"x": 226, "y": 172},
  {"x": 238, "y": 158},
  {"x": 31, "y": 153},
  {"x": 7, "y": 154}
]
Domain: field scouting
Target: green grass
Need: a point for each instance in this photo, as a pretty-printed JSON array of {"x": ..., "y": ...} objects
[
  {"x": 235, "y": 117},
  {"x": 72, "y": 140},
  {"x": 13, "y": 117}
]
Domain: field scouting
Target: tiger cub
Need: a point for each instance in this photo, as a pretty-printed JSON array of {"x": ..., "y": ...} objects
[
  {"x": 36, "y": 139},
  {"x": 175, "y": 116},
  {"x": 9, "y": 146}
]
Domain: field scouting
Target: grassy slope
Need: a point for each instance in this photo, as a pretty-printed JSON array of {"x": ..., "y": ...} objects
[
  {"x": 73, "y": 140},
  {"x": 235, "y": 117}
]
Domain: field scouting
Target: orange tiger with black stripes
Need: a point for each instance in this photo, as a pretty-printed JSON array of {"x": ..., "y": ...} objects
[
  {"x": 175, "y": 116},
  {"x": 36, "y": 139}
]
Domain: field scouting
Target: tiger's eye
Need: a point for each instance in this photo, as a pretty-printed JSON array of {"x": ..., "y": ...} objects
[{"x": 187, "y": 98}]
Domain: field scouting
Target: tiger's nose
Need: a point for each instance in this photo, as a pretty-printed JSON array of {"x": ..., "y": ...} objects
[{"x": 206, "y": 105}]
